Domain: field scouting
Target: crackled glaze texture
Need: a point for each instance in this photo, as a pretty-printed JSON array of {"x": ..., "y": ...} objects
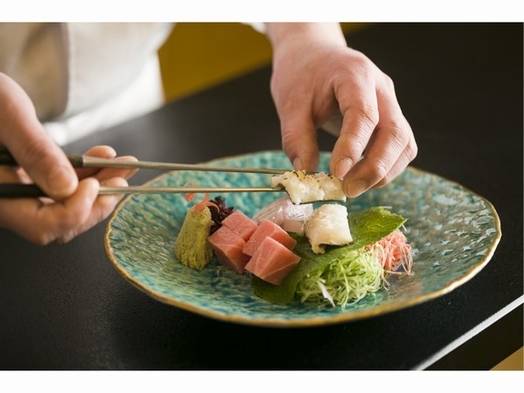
[{"x": 453, "y": 232}]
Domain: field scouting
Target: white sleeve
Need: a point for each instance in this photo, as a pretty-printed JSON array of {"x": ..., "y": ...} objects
[{"x": 113, "y": 76}]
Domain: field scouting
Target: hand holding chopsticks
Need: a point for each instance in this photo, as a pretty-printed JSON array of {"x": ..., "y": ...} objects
[
  {"x": 62, "y": 216},
  {"x": 31, "y": 190}
]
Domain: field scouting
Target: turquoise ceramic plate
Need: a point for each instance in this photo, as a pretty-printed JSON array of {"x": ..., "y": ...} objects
[{"x": 454, "y": 233}]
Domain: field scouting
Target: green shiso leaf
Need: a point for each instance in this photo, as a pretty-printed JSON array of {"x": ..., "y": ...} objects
[{"x": 367, "y": 227}]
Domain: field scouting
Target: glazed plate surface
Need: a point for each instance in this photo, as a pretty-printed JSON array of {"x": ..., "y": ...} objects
[{"x": 453, "y": 231}]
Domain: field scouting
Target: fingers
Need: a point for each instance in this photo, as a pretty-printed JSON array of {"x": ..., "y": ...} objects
[
  {"x": 34, "y": 150},
  {"x": 359, "y": 122},
  {"x": 298, "y": 131},
  {"x": 389, "y": 152},
  {"x": 100, "y": 151},
  {"x": 62, "y": 221},
  {"x": 106, "y": 173},
  {"x": 101, "y": 208},
  {"x": 103, "y": 205},
  {"x": 299, "y": 141},
  {"x": 41, "y": 221},
  {"x": 391, "y": 148},
  {"x": 376, "y": 142},
  {"x": 124, "y": 173},
  {"x": 355, "y": 91}
]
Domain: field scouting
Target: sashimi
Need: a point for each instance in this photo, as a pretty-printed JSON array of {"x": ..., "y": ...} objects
[
  {"x": 265, "y": 229},
  {"x": 304, "y": 188},
  {"x": 328, "y": 225},
  {"x": 272, "y": 261},
  {"x": 285, "y": 213},
  {"x": 240, "y": 224},
  {"x": 228, "y": 249}
]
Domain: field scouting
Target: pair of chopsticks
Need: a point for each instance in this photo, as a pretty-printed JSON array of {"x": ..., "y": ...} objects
[{"x": 32, "y": 191}]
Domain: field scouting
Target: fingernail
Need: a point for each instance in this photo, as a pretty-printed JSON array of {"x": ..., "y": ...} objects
[
  {"x": 342, "y": 167},
  {"x": 59, "y": 180},
  {"x": 297, "y": 164},
  {"x": 355, "y": 188}
]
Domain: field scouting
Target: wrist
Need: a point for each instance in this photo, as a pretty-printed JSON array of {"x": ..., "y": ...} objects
[{"x": 282, "y": 35}]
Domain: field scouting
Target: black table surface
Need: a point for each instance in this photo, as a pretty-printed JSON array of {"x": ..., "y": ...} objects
[{"x": 65, "y": 307}]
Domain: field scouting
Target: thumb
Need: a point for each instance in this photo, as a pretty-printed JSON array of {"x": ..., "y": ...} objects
[{"x": 25, "y": 138}]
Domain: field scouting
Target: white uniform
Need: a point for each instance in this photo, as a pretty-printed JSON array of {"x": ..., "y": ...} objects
[{"x": 84, "y": 77}]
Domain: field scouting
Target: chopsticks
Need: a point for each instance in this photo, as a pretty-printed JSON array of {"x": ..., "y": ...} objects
[
  {"x": 33, "y": 191},
  {"x": 92, "y": 162}
]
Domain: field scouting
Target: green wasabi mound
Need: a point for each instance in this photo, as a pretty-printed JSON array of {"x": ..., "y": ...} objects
[{"x": 191, "y": 246}]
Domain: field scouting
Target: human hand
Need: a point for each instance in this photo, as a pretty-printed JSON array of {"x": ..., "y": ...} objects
[
  {"x": 73, "y": 205},
  {"x": 315, "y": 77}
]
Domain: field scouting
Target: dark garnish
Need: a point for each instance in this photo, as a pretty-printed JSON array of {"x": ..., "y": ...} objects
[{"x": 220, "y": 213}]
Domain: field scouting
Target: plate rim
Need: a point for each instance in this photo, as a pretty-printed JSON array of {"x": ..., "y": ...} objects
[{"x": 311, "y": 321}]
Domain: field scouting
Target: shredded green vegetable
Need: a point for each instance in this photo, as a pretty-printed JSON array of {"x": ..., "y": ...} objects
[{"x": 346, "y": 280}]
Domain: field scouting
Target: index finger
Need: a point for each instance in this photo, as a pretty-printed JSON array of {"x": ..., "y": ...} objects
[
  {"x": 26, "y": 139},
  {"x": 359, "y": 108}
]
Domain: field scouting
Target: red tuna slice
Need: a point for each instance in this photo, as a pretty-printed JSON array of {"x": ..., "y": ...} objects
[
  {"x": 228, "y": 249},
  {"x": 240, "y": 224},
  {"x": 268, "y": 229},
  {"x": 272, "y": 261}
]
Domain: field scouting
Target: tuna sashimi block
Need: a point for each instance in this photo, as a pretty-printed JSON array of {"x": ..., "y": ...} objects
[
  {"x": 228, "y": 249},
  {"x": 272, "y": 261},
  {"x": 240, "y": 224},
  {"x": 268, "y": 229}
]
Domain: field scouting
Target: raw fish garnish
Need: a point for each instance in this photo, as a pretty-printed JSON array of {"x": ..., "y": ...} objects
[
  {"x": 303, "y": 187},
  {"x": 367, "y": 228}
]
